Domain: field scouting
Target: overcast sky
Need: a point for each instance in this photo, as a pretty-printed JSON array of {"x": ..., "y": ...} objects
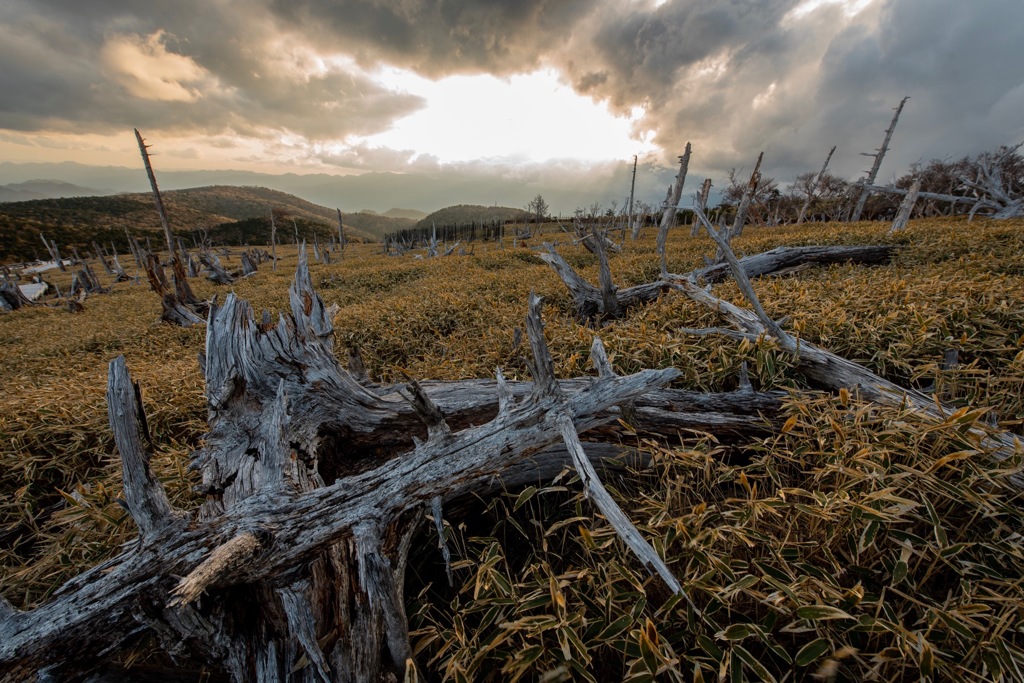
[{"x": 508, "y": 89}]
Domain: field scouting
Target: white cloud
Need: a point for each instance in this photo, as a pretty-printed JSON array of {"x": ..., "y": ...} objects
[{"x": 144, "y": 67}]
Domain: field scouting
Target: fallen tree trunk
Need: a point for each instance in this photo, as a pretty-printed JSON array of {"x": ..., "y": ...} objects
[
  {"x": 827, "y": 369},
  {"x": 314, "y": 485},
  {"x": 593, "y": 303}
]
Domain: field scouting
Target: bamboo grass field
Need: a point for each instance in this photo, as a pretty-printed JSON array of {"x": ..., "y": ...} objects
[{"x": 859, "y": 542}]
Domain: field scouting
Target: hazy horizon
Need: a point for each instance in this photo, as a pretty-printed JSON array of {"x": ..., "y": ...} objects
[{"x": 478, "y": 102}]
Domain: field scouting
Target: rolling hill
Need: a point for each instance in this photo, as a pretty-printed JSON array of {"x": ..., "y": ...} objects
[
  {"x": 45, "y": 189},
  {"x": 461, "y": 214},
  {"x": 228, "y": 214}
]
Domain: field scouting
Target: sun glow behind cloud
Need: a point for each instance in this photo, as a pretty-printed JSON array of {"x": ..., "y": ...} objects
[
  {"x": 850, "y": 7},
  {"x": 528, "y": 117}
]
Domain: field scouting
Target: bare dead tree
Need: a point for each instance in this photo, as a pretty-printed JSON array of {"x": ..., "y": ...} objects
[
  {"x": 51, "y": 249},
  {"x": 702, "y": 202},
  {"x": 877, "y": 164},
  {"x": 1002, "y": 195},
  {"x": 341, "y": 235},
  {"x": 668, "y": 216},
  {"x": 593, "y": 303},
  {"x": 635, "y": 235},
  {"x": 906, "y": 207},
  {"x": 748, "y": 196},
  {"x": 813, "y": 189},
  {"x": 273, "y": 241},
  {"x": 824, "y": 367},
  {"x": 182, "y": 290}
]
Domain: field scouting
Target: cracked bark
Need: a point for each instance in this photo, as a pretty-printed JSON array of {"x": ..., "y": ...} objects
[{"x": 313, "y": 486}]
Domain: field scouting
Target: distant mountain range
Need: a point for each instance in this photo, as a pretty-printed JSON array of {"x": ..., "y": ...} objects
[
  {"x": 564, "y": 188},
  {"x": 46, "y": 189},
  {"x": 226, "y": 214}
]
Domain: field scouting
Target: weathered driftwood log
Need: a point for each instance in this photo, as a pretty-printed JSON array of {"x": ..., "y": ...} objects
[
  {"x": 952, "y": 198},
  {"x": 314, "y": 484},
  {"x": 783, "y": 258},
  {"x": 594, "y": 303}
]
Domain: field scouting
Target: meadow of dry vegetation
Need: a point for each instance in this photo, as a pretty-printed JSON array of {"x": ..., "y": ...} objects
[{"x": 856, "y": 542}]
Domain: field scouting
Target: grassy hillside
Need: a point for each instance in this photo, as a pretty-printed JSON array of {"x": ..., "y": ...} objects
[
  {"x": 462, "y": 214},
  {"x": 858, "y": 543},
  {"x": 226, "y": 212}
]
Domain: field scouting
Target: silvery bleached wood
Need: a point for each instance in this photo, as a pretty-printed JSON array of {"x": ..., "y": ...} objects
[
  {"x": 748, "y": 196},
  {"x": 831, "y": 370},
  {"x": 877, "y": 164},
  {"x": 668, "y": 215},
  {"x": 813, "y": 188},
  {"x": 629, "y": 212},
  {"x": 274, "y": 533},
  {"x": 952, "y": 198},
  {"x": 146, "y": 499},
  {"x": 1004, "y": 200},
  {"x": 702, "y": 202},
  {"x": 906, "y": 207},
  {"x": 591, "y": 304},
  {"x": 609, "y": 299}
]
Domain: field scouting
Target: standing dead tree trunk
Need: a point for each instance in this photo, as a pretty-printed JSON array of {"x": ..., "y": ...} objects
[
  {"x": 174, "y": 311},
  {"x": 101, "y": 256},
  {"x": 273, "y": 241},
  {"x": 314, "y": 487},
  {"x": 51, "y": 249},
  {"x": 878, "y": 156},
  {"x": 134, "y": 248},
  {"x": 341, "y": 235},
  {"x": 748, "y": 196},
  {"x": 634, "y": 227},
  {"x": 182, "y": 291},
  {"x": 812, "y": 190},
  {"x": 906, "y": 207},
  {"x": 702, "y": 202},
  {"x": 248, "y": 265},
  {"x": 668, "y": 216}
]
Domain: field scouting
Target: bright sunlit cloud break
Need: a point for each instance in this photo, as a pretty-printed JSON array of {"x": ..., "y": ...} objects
[{"x": 528, "y": 117}]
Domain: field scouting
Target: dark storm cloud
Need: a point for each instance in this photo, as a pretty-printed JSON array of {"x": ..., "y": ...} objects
[
  {"x": 959, "y": 63},
  {"x": 438, "y": 38},
  {"x": 732, "y": 76},
  {"x": 236, "y": 72},
  {"x": 739, "y": 77}
]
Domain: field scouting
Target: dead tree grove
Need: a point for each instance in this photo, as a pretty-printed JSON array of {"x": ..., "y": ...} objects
[{"x": 315, "y": 482}]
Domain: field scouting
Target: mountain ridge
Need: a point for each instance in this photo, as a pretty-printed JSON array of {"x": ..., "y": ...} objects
[{"x": 225, "y": 213}]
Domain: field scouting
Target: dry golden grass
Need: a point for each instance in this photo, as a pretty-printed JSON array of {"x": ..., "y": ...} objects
[{"x": 861, "y": 542}]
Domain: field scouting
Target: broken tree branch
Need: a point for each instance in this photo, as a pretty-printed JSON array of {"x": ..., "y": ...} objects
[{"x": 832, "y": 371}]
